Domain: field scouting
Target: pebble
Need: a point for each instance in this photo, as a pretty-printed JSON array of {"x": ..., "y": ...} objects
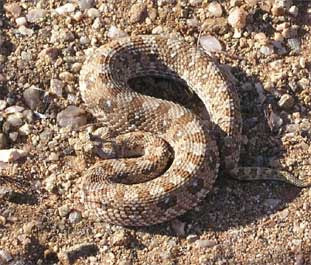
[
  {"x": 23, "y": 30},
  {"x": 33, "y": 97},
  {"x": 206, "y": 243},
  {"x": 2, "y": 104},
  {"x": 35, "y": 15},
  {"x": 267, "y": 50},
  {"x": 283, "y": 214},
  {"x": 294, "y": 45},
  {"x": 86, "y": 4},
  {"x": 50, "y": 183},
  {"x": 76, "y": 67},
  {"x": 93, "y": 13},
  {"x": 75, "y": 217},
  {"x": 66, "y": 76},
  {"x": 3, "y": 141},
  {"x": 72, "y": 117},
  {"x": 192, "y": 238},
  {"x": 63, "y": 210},
  {"x": 11, "y": 155},
  {"x": 210, "y": 43},
  {"x": 114, "y": 33},
  {"x": 215, "y": 9},
  {"x": 56, "y": 87},
  {"x": 13, "y": 8},
  {"x": 78, "y": 251},
  {"x": 5, "y": 256},
  {"x": 302, "y": 63},
  {"x": 294, "y": 11},
  {"x": 121, "y": 238},
  {"x": 13, "y": 136},
  {"x": 286, "y": 101},
  {"x": 237, "y": 18},
  {"x": 138, "y": 12},
  {"x": 195, "y": 2},
  {"x": 66, "y": 8},
  {"x": 21, "y": 21},
  {"x": 25, "y": 129}
]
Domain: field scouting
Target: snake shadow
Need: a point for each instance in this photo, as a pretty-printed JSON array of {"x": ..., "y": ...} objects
[{"x": 231, "y": 203}]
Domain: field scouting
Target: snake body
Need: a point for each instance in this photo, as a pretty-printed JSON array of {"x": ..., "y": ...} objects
[{"x": 143, "y": 186}]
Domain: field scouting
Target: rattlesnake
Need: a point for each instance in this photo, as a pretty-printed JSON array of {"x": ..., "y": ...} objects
[{"x": 164, "y": 159}]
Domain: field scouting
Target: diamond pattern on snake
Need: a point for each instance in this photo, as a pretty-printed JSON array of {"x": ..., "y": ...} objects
[{"x": 165, "y": 159}]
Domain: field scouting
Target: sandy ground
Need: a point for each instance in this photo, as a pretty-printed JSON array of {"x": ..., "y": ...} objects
[{"x": 267, "y": 51}]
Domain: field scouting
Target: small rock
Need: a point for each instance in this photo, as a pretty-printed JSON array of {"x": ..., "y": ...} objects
[
  {"x": 63, "y": 210},
  {"x": 13, "y": 136},
  {"x": 27, "y": 227},
  {"x": 20, "y": 21},
  {"x": 195, "y": 2},
  {"x": 215, "y": 9},
  {"x": 23, "y": 30},
  {"x": 286, "y": 101},
  {"x": 267, "y": 50},
  {"x": 86, "y": 4},
  {"x": 302, "y": 63},
  {"x": 75, "y": 217},
  {"x": 71, "y": 255},
  {"x": 138, "y": 12},
  {"x": 192, "y": 238},
  {"x": 76, "y": 67},
  {"x": 192, "y": 22},
  {"x": 114, "y": 33},
  {"x": 284, "y": 214},
  {"x": 53, "y": 156},
  {"x": 2, "y": 104},
  {"x": 294, "y": 45},
  {"x": 50, "y": 183},
  {"x": 15, "y": 119},
  {"x": 277, "y": 11},
  {"x": 3, "y": 141},
  {"x": 299, "y": 259},
  {"x": 56, "y": 87},
  {"x": 25, "y": 129},
  {"x": 33, "y": 97},
  {"x": 66, "y": 8},
  {"x": 210, "y": 43},
  {"x": 11, "y": 155},
  {"x": 72, "y": 117},
  {"x": 121, "y": 238},
  {"x": 35, "y": 15},
  {"x": 51, "y": 52},
  {"x": 93, "y": 13},
  {"x": 13, "y": 8},
  {"x": 205, "y": 243},
  {"x": 294, "y": 11},
  {"x": 237, "y": 18},
  {"x": 66, "y": 76},
  {"x": 5, "y": 256}
]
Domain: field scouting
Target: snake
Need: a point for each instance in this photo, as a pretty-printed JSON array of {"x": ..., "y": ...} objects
[{"x": 164, "y": 159}]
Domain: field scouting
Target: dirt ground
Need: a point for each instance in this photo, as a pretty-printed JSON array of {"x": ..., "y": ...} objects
[{"x": 266, "y": 48}]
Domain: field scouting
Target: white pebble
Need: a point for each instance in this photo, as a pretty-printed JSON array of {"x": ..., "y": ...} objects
[
  {"x": 67, "y": 8},
  {"x": 10, "y": 155},
  {"x": 215, "y": 9},
  {"x": 21, "y": 21},
  {"x": 114, "y": 32},
  {"x": 210, "y": 43},
  {"x": 237, "y": 18}
]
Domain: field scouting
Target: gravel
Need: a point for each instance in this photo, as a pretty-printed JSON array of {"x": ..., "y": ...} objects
[{"x": 266, "y": 49}]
